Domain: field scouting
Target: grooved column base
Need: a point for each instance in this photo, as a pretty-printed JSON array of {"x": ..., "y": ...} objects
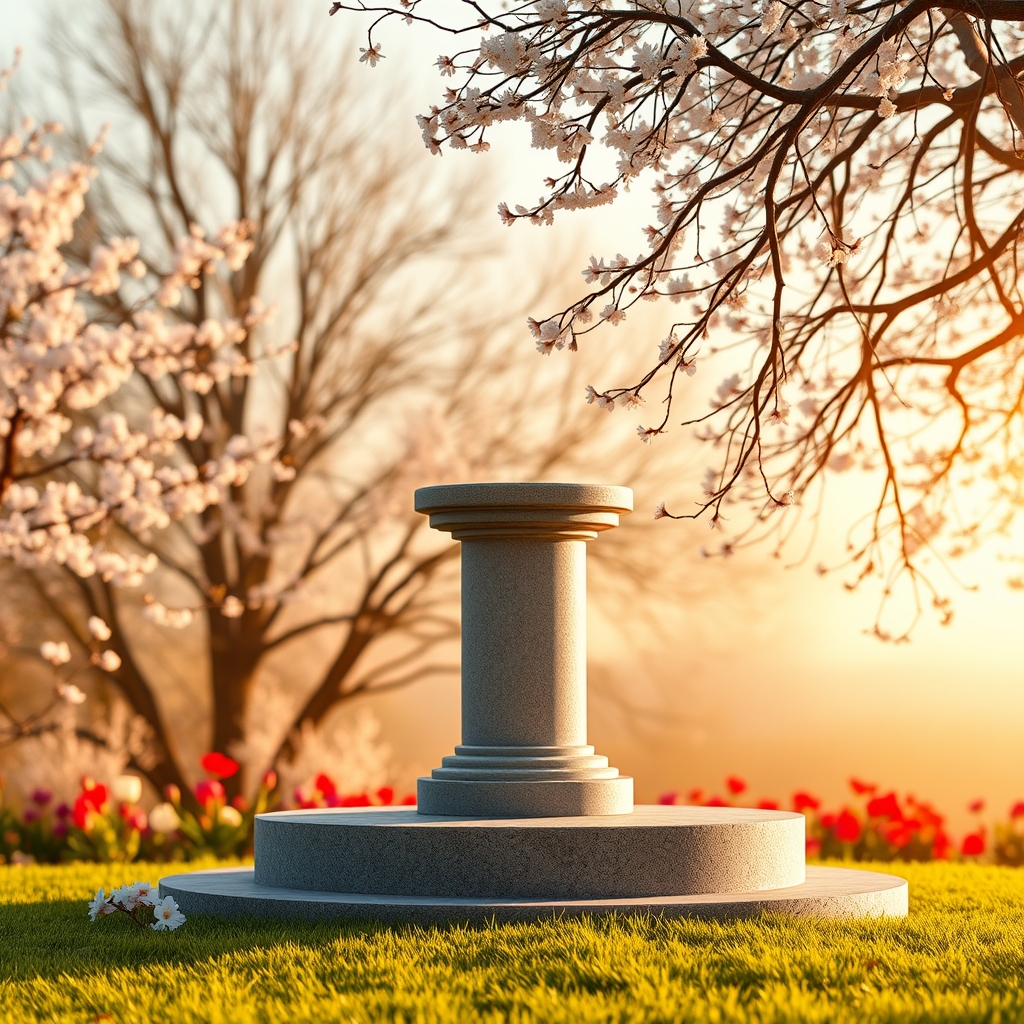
[
  {"x": 827, "y": 893},
  {"x": 524, "y": 799}
]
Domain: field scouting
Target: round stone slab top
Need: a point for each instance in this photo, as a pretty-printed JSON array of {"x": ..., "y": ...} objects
[
  {"x": 655, "y": 851},
  {"x": 540, "y": 510},
  {"x": 826, "y": 893},
  {"x": 585, "y": 497}
]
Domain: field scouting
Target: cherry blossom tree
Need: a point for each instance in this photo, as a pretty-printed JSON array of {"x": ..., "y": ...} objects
[
  {"x": 193, "y": 486},
  {"x": 837, "y": 217}
]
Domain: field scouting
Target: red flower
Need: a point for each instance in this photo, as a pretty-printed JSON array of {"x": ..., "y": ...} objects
[
  {"x": 715, "y": 801},
  {"x": 136, "y": 819},
  {"x": 885, "y": 807},
  {"x": 270, "y": 780},
  {"x": 83, "y": 813},
  {"x": 409, "y": 800},
  {"x": 860, "y": 788},
  {"x": 325, "y": 784},
  {"x": 847, "y": 828},
  {"x": 696, "y": 795},
  {"x": 736, "y": 784},
  {"x": 240, "y": 803},
  {"x": 827, "y": 820},
  {"x": 385, "y": 795},
  {"x": 975, "y": 806},
  {"x": 805, "y": 802},
  {"x": 768, "y": 805},
  {"x": 973, "y": 844},
  {"x": 669, "y": 798},
  {"x": 94, "y": 794},
  {"x": 942, "y": 846},
  {"x": 209, "y": 790},
  {"x": 220, "y": 766},
  {"x": 812, "y": 847},
  {"x": 362, "y": 800},
  {"x": 1017, "y": 811}
]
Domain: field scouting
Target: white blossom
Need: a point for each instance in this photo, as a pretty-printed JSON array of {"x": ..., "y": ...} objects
[
  {"x": 168, "y": 916},
  {"x": 55, "y": 653},
  {"x": 98, "y": 628}
]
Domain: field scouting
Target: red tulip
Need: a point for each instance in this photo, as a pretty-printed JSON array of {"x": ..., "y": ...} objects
[
  {"x": 805, "y": 802},
  {"x": 270, "y": 780},
  {"x": 715, "y": 801},
  {"x": 669, "y": 798},
  {"x": 942, "y": 846},
  {"x": 385, "y": 795},
  {"x": 94, "y": 794},
  {"x": 136, "y": 819},
  {"x": 325, "y": 785},
  {"x": 768, "y": 805},
  {"x": 736, "y": 784},
  {"x": 860, "y": 788},
  {"x": 812, "y": 847},
  {"x": 885, "y": 807},
  {"x": 1017, "y": 811},
  {"x": 847, "y": 828},
  {"x": 975, "y": 806},
  {"x": 83, "y": 813},
  {"x": 827, "y": 820},
  {"x": 695, "y": 796},
  {"x": 209, "y": 790},
  {"x": 973, "y": 844},
  {"x": 409, "y": 800},
  {"x": 220, "y": 766}
]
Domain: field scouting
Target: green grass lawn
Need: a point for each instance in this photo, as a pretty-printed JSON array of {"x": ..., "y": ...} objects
[{"x": 958, "y": 957}]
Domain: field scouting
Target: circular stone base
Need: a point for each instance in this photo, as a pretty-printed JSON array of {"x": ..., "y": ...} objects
[
  {"x": 827, "y": 892},
  {"x": 652, "y": 852}
]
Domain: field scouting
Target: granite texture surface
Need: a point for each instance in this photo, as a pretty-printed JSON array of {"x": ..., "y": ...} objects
[
  {"x": 826, "y": 893},
  {"x": 655, "y": 851},
  {"x": 524, "y": 749}
]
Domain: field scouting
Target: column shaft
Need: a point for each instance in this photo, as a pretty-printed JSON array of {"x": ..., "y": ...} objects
[{"x": 524, "y": 646}]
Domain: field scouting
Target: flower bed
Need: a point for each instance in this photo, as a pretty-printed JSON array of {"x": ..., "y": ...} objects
[
  {"x": 879, "y": 825},
  {"x": 106, "y": 821}
]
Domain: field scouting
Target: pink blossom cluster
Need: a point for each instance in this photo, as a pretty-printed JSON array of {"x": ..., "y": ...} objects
[{"x": 64, "y": 482}]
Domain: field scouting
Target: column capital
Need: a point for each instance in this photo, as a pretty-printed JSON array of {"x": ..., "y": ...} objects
[{"x": 536, "y": 510}]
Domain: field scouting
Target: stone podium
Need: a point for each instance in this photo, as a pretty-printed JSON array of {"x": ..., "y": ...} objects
[
  {"x": 525, "y": 819},
  {"x": 524, "y": 751}
]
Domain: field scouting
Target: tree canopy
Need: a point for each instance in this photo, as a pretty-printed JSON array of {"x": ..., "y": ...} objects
[{"x": 837, "y": 215}]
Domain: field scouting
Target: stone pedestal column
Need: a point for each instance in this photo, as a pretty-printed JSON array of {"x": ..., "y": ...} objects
[{"x": 524, "y": 750}]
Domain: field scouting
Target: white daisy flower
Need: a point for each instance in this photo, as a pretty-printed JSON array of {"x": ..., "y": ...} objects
[{"x": 168, "y": 916}]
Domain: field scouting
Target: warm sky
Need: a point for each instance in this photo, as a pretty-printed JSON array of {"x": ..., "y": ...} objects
[{"x": 772, "y": 676}]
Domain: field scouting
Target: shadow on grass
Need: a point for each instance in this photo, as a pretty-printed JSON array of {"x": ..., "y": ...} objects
[{"x": 56, "y": 937}]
